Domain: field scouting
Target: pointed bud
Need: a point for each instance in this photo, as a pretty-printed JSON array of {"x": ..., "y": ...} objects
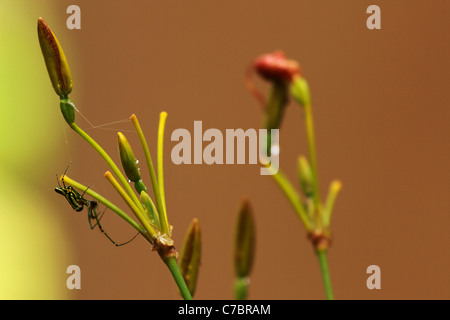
[
  {"x": 55, "y": 60},
  {"x": 300, "y": 91},
  {"x": 305, "y": 176},
  {"x": 335, "y": 187},
  {"x": 129, "y": 163},
  {"x": 244, "y": 245},
  {"x": 190, "y": 256}
]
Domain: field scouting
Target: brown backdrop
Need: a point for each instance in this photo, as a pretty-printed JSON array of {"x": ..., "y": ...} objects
[{"x": 380, "y": 102}]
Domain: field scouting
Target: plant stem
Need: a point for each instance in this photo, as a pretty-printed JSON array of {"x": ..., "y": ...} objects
[
  {"x": 322, "y": 257},
  {"x": 241, "y": 288},
  {"x": 312, "y": 154},
  {"x": 172, "y": 264}
]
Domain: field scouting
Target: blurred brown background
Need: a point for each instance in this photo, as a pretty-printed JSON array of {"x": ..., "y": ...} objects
[{"x": 381, "y": 110}]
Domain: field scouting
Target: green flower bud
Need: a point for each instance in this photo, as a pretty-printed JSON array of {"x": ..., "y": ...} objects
[
  {"x": 300, "y": 91},
  {"x": 335, "y": 188},
  {"x": 305, "y": 176},
  {"x": 190, "y": 256},
  {"x": 244, "y": 246},
  {"x": 128, "y": 159},
  {"x": 55, "y": 60}
]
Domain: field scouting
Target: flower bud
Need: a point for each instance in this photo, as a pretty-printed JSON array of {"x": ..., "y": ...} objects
[
  {"x": 305, "y": 176},
  {"x": 335, "y": 188},
  {"x": 300, "y": 91},
  {"x": 128, "y": 159},
  {"x": 244, "y": 246},
  {"x": 276, "y": 67},
  {"x": 281, "y": 72},
  {"x": 190, "y": 256},
  {"x": 55, "y": 60}
]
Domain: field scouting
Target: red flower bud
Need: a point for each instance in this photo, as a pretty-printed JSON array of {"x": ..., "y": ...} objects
[{"x": 275, "y": 67}]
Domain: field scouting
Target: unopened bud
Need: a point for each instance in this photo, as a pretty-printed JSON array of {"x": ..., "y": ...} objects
[
  {"x": 276, "y": 67},
  {"x": 305, "y": 177},
  {"x": 190, "y": 256},
  {"x": 128, "y": 159},
  {"x": 281, "y": 72},
  {"x": 244, "y": 246},
  {"x": 300, "y": 91},
  {"x": 55, "y": 60}
]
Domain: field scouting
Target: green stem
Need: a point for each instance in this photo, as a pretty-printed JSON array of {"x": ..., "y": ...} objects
[
  {"x": 274, "y": 110},
  {"x": 172, "y": 264},
  {"x": 163, "y": 215},
  {"x": 322, "y": 257},
  {"x": 241, "y": 288},
  {"x": 109, "y": 161},
  {"x": 313, "y": 158},
  {"x": 312, "y": 149}
]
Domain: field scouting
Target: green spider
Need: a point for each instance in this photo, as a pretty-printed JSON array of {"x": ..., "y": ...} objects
[{"x": 78, "y": 202}]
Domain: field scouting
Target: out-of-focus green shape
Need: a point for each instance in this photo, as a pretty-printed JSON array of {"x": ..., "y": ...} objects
[
  {"x": 244, "y": 250},
  {"x": 241, "y": 288},
  {"x": 29, "y": 124},
  {"x": 300, "y": 91},
  {"x": 335, "y": 187},
  {"x": 34, "y": 248},
  {"x": 190, "y": 256},
  {"x": 276, "y": 105},
  {"x": 244, "y": 243},
  {"x": 305, "y": 177}
]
